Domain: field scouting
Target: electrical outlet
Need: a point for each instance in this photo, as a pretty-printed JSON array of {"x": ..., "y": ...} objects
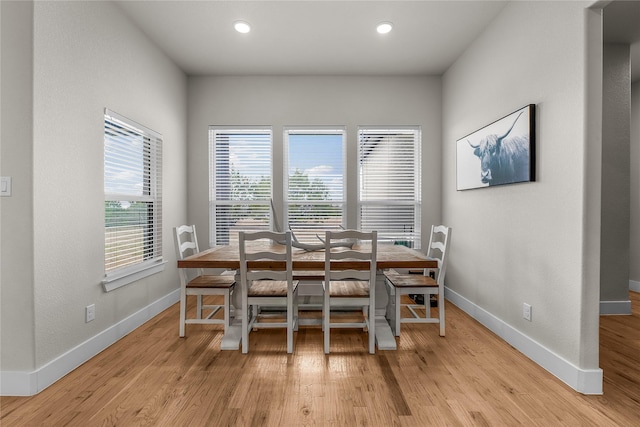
[
  {"x": 5, "y": 186},
  {"x": 90, "y": 313},
  {"x": 526, "y": 311}
]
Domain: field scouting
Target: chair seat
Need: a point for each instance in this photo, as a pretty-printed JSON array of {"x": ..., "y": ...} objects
[
  {"x": 411, "y": 281},
  {"x": 208, "y": 281},
  {"x": 193, "y": 282},
  {"x": 420, "y": 286},
  {"x": 267, "y": 286},
  {"x": 349, "y": 289},
  {"x": 350, "y": 281},
  {"x": 270, "y": 288}
]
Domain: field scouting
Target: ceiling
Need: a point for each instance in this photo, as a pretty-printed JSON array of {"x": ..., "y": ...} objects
[
  {"x": 331, "y": 37},
  {"x": 313, "y": 37}
]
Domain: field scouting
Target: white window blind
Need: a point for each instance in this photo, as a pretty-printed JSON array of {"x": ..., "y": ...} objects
[
  {"x": 239, "y": 181},
  {"x": 314, "y": 184},
  {"x": 133, "y": 198},
  {"x": 389, "y": 187}
]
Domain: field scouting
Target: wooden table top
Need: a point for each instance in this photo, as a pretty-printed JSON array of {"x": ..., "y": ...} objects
[{"x": 389, "y": 256}]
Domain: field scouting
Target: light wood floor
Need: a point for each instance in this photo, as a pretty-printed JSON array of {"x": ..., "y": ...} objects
[{"x": 471, "y": 377}]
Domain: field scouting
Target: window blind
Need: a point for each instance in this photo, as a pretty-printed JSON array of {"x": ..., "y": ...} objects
[
  {"x": 239, "y": 181},
  {"x": 133, "y": 196},
  {"x": 314, "y": 184},
  {"x": 389, "y": 183}
]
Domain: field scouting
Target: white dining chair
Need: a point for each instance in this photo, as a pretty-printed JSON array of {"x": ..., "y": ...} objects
[
  {"x": 269, "y": 286},
  {"x": 421, "y": 284},
  {"x": 350, "y": 281},
  {"x": 193, "y": 281}
]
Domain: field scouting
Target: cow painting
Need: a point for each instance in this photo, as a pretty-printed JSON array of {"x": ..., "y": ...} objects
[{"x": 504, "y": 157}]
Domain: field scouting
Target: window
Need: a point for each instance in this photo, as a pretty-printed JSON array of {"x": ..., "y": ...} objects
[
  {"x": 239, "y": 181},
  {"x": 314, "y": 185},
  {"x": 133, "y": 201},
  {"x": 389, "y": 187},
  {"x": 313, "y": 178}
]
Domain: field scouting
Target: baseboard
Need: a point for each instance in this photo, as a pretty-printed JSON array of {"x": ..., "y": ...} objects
[
  {"x": 586, "y": 381},
  {"x": 30, "y": 383},
  {"x": 613, "y": 308}
]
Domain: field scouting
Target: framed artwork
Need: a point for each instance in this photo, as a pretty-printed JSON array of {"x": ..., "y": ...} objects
[{"x": 502, "y": 152}]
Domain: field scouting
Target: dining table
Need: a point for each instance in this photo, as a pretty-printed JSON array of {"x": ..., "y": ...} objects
[{"x": 309, "y": 265}]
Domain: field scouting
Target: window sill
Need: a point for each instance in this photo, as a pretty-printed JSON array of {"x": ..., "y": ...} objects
[{"x": 120, "y": 279}]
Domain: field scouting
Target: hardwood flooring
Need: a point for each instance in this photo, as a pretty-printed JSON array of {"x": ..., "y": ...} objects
[{"x": 469, "y": 378}]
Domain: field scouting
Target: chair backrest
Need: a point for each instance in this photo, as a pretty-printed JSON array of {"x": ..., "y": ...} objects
[
  {"x": 363, "y": 254},
  {"x": 186, "y": 243},
  {"x": 439, "y": 248},
  {"x": 270, "y": 247}
]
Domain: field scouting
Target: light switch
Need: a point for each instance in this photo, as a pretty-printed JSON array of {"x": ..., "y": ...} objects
[{"x": 5, "y": 186}]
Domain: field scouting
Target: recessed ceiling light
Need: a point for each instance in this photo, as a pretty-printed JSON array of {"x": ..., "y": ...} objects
[
  {"x": 384, "y": 27},
  {"x": 242, "y": 27}
]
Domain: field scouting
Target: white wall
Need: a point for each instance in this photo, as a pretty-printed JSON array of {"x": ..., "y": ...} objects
[
  {"x": 88, "y": 56},
  {"x": 534, "y": 242},
  {"x": 16, "y": 161},
  {"x": 634, "y": 264},
  {"x": 289, "y": 100}
]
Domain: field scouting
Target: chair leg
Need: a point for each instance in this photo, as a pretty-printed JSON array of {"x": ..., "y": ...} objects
[
  {"x": 289, "y": 325},
  {"x": 372, "y": 328},
  {"x": 226, "y": 311},
  {"x": 183, "y": 310},
  {"x": 397, "y": 316},
  {"x": 326, "y": 314},
  {"x": 245, "y": 325},
  {"x": 427, "y": 304},
  {"x": 441, "y": 311},
  {"x": 296, "y": 313},
  {"x": 199, "y": 307}
]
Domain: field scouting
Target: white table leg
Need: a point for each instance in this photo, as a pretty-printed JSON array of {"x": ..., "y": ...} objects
[
  {"x": 384, "y": 334},
  {"x": 232, "y": 338}
]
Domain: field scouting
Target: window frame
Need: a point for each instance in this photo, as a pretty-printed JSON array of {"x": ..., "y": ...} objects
[
  {"x": 213, "y": 179},
  {"x": 314, "y": 131},
  {"x": 415, "y": 234},
  {"x": 153, "y": 261}
]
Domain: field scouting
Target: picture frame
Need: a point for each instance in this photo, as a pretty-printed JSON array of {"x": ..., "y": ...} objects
[{"x": 500, "y": 153}]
